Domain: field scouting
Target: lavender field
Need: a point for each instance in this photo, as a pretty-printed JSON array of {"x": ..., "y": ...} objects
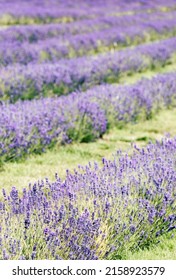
[{"x": 87, "y": 129}]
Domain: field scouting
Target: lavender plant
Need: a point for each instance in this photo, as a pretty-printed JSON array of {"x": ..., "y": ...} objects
[
  {"x": 82, "y": 44},
  {"x": 34, "y": 33},
  {"x": 25, "y": 12},
  {"x": 32, "y": 126},
  {"x": 96, "y": 212},
  {"x": 35, "y": 80}
]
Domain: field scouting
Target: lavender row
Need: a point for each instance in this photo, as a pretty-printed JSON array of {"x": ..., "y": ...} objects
[
  {"x": 96, "y": 212},
  {"x": 35, "y": 80},
  {"x": 33, "y": 12},
  {"x": 32, "y": 126},
  {"x": 82, "y": 44},
  {"x": 33, "y": 33}
]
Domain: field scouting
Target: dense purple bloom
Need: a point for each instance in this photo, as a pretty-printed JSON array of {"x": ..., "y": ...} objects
[
  {"x": 32, "y": 126},
  {"x": 34, "y": 33},
  {"x": 96, "y": 223},
  {"x": 53, "y": 49},
  {"x": 35, "y": 80},
  {"x": 60, "y": 11}
]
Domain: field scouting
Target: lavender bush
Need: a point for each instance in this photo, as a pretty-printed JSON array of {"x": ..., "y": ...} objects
[
  {"x": 35, "y": 80},
  {"x": 54, "y": 11},
  {"x": 82, "y": 44},
  {"x": 34, "y": 33},
  {"x": 96, "y": 212},
  {"x": 31, "y": 126}
]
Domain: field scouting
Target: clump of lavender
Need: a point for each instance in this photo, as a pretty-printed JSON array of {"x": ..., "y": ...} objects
[
  {"x": 43, "y": 79},
  {"x": 34, "y": 33},
  {"x": 96, "y": 212},
  {"x": 32, "y": 126},
  {"x": 68, "y": 46}
]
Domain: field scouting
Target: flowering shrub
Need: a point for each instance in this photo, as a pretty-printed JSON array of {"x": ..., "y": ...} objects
[
  {"x": 35, "y": 80},
  {"x": 97, "y": 212},
  {"x": 64, "y": 11},
  {"x": 53, "y": 49},
  {"x": 34, "y": 33},
  {"x": 31, "y": 126}
]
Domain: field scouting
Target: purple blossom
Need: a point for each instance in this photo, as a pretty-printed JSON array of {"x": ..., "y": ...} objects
[
  {"x": 40, "y": 124},
  {"x": 79, "y": 228}
]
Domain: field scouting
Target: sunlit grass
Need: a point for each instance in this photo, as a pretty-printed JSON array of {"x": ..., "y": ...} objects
[{"x": 165, "y": 250}]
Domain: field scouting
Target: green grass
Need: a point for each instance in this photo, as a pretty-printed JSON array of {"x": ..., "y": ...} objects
[
  {"x": 165, "y": 250},
  {"x": 8, "y": 20},
  {"x": 20, "y": 174}
]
